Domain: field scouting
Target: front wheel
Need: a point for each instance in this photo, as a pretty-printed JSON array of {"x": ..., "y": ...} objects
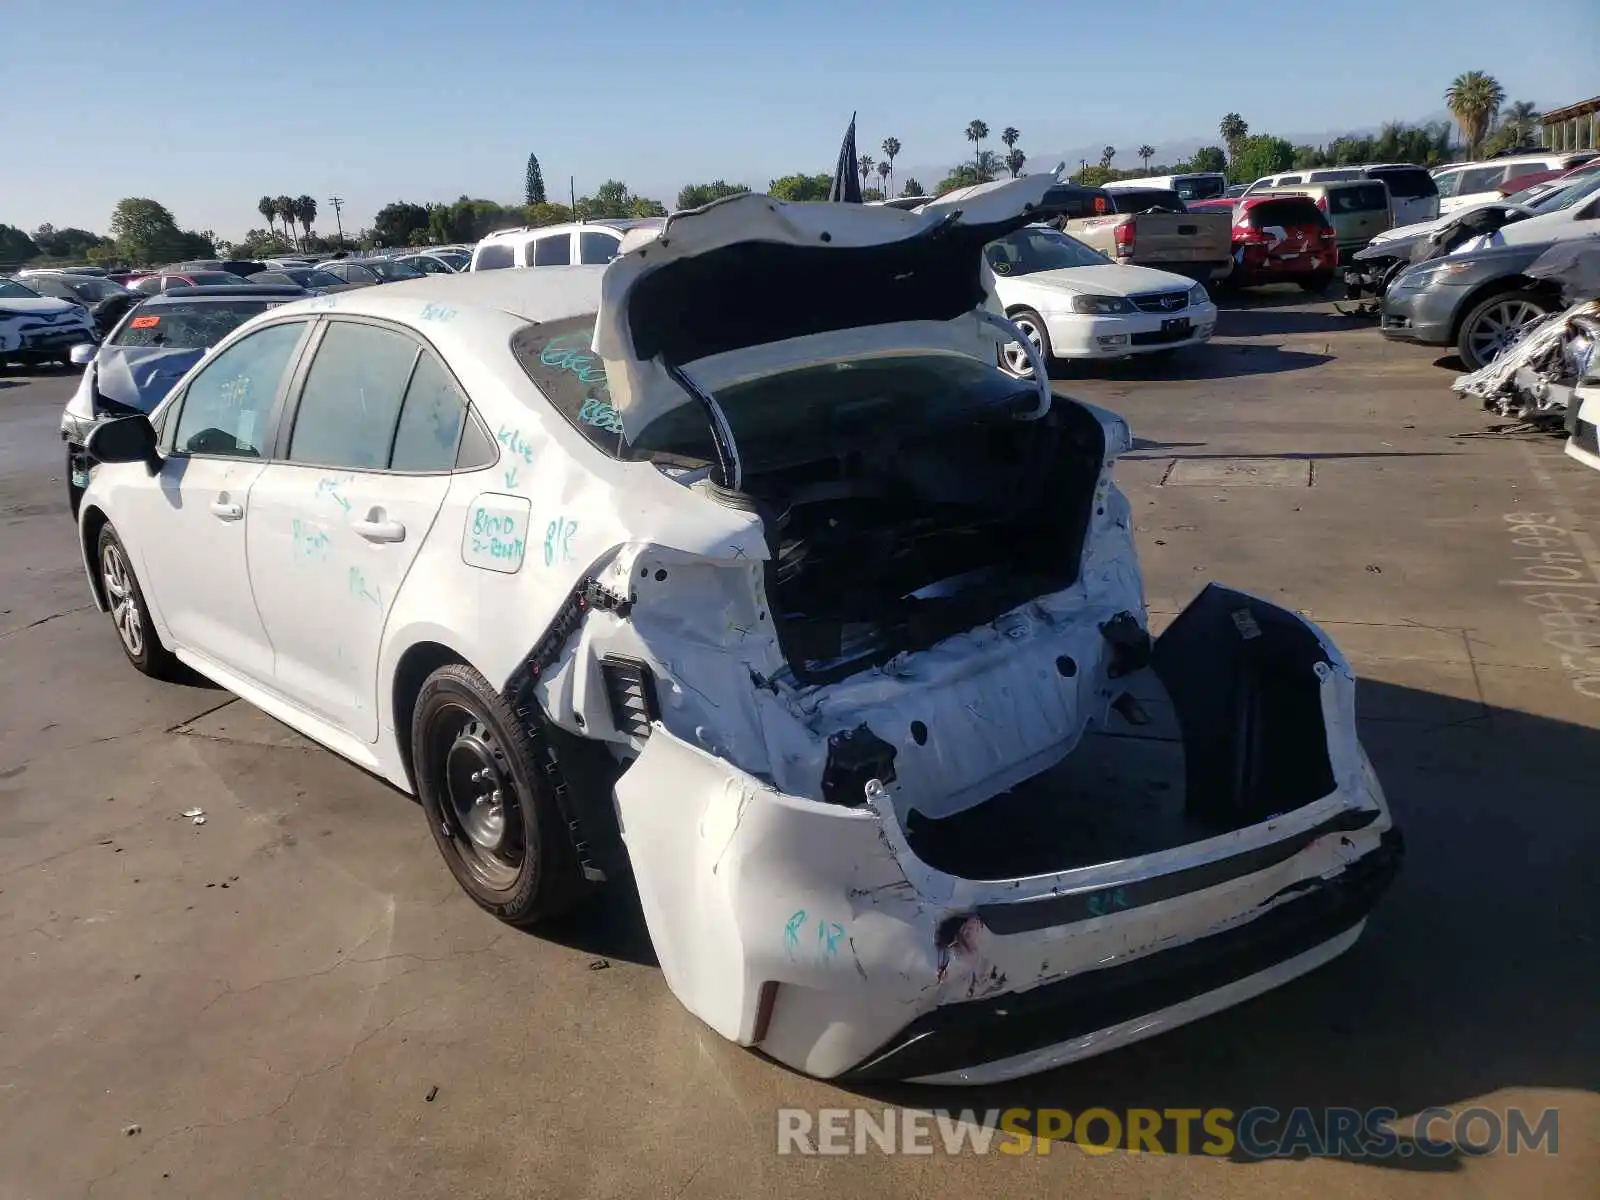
[
  {"x": 129, "y": 612},
  {"x": 1495, "y": 325},
  {"x": 1013, "y": 359},
  {"x": 488, "y": 789}
]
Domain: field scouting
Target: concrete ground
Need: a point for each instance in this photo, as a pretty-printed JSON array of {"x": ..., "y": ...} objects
[{"x": 295, "y": 999}]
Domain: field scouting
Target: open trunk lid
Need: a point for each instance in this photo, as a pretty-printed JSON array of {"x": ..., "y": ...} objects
[{"x": 751, "y": 285}]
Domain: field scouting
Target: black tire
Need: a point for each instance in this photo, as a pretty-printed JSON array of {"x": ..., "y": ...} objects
[
  {"x": 1026, "y": 318},
  {"x": 129, "y": 612},
  {"x": 1317, "y": 282},
  {"x": 501, "y": 832},
  {"x": 1484, "y": 331}
]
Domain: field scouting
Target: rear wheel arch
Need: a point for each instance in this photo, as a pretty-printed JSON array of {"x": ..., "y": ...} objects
[{"x": 417, "y": 662}]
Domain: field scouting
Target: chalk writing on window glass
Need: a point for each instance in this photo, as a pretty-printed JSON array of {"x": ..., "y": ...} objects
[{"x": 571, "y": 352}]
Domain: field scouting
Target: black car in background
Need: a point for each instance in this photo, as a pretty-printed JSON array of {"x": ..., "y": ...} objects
[
  {"x": 106, "y": 301},
  {"x": 370, "y": 270},
  {"x": 313, "y": 279}
]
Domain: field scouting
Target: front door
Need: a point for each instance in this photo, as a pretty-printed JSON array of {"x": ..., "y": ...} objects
[
  {"x": 193, "y": 536},
  {"x": 337, "y": 521}
]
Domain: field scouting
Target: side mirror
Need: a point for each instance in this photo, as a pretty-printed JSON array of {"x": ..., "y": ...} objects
[
  {"x": 83, "y": 354},
  {"x": 124, "y": 440}
]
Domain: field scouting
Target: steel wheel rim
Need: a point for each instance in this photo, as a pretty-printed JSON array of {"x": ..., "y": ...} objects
[
  {"x": 479, "y": 809},
  {"x": 1500, "y": 327},
  {"x": 1016, "y": 358},
  {"x": 118, "y": 579}
]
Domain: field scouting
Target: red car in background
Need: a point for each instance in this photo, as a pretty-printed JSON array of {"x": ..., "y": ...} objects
[{"x": 1278, "y": 239}]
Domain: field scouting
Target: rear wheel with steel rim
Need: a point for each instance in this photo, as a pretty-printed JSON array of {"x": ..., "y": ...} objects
[
  {"x": 1495, "y": 325},
  {"x": 1013, "y": 359},
  {"x": 129, "y": 612},
  {"x": 486, "y": 783}
]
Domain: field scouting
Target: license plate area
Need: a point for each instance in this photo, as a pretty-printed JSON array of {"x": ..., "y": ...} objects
[{"x": 1175, "y": 327}]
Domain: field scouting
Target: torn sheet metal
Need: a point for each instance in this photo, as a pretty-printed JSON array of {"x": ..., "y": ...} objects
[{"x": 1533, "y": 381}]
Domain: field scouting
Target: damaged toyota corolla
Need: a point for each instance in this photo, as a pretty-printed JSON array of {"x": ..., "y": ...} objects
[{"x": 739, "y": 566}]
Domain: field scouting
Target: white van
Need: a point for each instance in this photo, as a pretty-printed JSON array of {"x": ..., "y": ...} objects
[
  {"x": 588, "y": 243},
  {"x": 1413, "y": 195},
  {"x": 1471, "y": 184},
  {"x": 1195, "y": 185}
]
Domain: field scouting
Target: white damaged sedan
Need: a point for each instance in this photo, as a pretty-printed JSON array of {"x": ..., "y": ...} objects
[
  {"x": 738, "y": 566},
  {"x": 1071, "y": 301}
]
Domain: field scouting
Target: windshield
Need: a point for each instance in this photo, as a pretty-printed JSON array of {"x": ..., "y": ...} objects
[
  {"x": 88, "y": 287},
  {"x": 181, "y": 325},
  {"x": 1563, "y": 197},
  {"x": 454, "y": 257},
  {"x": 1138, "y": 200},
  {"x": 1030, "y": 250},
  {"x": 212, "y": 278},
  {"x": 11, "y": 290},
  {"x": 389, "y": 270}
]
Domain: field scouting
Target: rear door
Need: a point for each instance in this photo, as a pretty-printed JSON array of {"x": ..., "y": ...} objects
[
  {"x": 362, "y": 466},
  {"x": 1358, "y": 212},
  {"x": 1413, "y": 196}
]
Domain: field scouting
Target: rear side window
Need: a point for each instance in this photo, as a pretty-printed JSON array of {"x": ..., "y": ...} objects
[
  {"x": 1362, "y": 197},
  {"x": 494, "y": 258},
  {"x": 1204, "y": 188},
  {"x": 1331, "y": 176},
  {"x": 1287, "y": 212},
  {"x": 554, "y": 251},
  {"x": 1449, "y": 183},
  {"x": 557, "y": 357},
  {"x": 430, "y": 420},
  {"x": 1137, "y": 200},
  {"x": 1288, "y": 179},
  {"x": 1482, "y": 179},
  {"x": 351, "y": 399},
  {"x": 597, "y": 249},
  {"x": 1406, "y": 183}
]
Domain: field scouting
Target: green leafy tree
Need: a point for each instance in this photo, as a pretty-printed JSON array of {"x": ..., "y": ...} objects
[
  {"x": 16, "y": 246},
  {"x": 1145, "y": 153},
  {"x": 394, "y": 223},
  {"x": 546, "y": 214},
  {"x": 1234, "y": 130},
  {"x": 698, "y": 195},
  {"x": 1015, "y": 160},
  {"x": 1261, "y": 154},
  {"x": 976, "y": 132},
  {"x": 612, "y": 199},
  {"x": 1474, "y": 99},
  {"x": 67, "y": 243},
  {"x": 533, "y": 182},
  {"x": 640, "y": 206},
  {"x": 146, "y": 233},
  {"x": 912, "y": 188},
  {"x": 1523, "y": 119},
  {"x": 801, "y": 187},
  {"x": 1208, "y": 158},
  {"x": 891, "y": 151}
]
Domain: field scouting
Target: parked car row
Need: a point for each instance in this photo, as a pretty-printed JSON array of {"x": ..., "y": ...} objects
[{"x": 792, "y": 533}]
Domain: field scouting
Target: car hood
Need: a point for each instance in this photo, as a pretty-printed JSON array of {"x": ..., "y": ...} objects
[
  {"x": 140, "y": 376},
  {"x": 1107, "y": 280},
  {"x": 750, "y": 285},
  {"x": 43, "y": 306}
]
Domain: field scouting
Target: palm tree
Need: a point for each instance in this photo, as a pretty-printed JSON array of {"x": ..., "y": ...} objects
[
  {"x": 1233, "y": 130},
  {"x": 1014, "y": 161},
  {"x": 883, "y": 174},
  {"x": 1106, "y": 155},
  {"x": 976, "y": 132},
  {"x": 1146, "y": 153},
  {"x": 1473, "y": 99},
  {"x": 891, "y": 151},
  {"x": 1010, "y": 136},
  {"x": 268, "y": 208},
  {"x": 864, "y": 164},
  {"x": 305, "y": 211},
  {"x": 284, "y": 207},
  {"x": 985, "y": 166},
  {"x": 1524, "y": 118}
]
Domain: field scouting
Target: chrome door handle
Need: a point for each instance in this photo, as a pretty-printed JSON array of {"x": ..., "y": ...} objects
[
  {"x": 380, "y": 531},
  {"x": 226, "y": 511}
]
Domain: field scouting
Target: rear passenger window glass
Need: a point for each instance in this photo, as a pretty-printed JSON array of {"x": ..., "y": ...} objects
[
  {"x": 1288, "y": 179},
  {"x": 1407, "y": 184},
  {"x": 1366, "y": 197},
  {"x": 227, "y": 406},
  {"x": 597, "y": 249},
  {"x": 477, "y": 447},
  {"x": 1331, "y": 176},
  {"x": 1285, "y": 212},
  {"x": 1482, "y": 179},
  {"x": 352, "y": 397},
  {"x": 493, "y": 258},
  {"x": 557, "y": 358},
  {"x": 1449, "y": 183},
  {"x": 430, "y": 420},
  {"x": 553, "y": 251}
]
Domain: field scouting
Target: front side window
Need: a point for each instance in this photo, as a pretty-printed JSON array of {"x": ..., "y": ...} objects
[
  {"x": 1482, "y": 179},
  {"x": 1030, "y": 250},
  {"x": 596, "y": 249},
  {"x": 227, "y": 405},
  {"x": 351, "y": 398},
  {"x": 149, "y": 285},
  {"x": 494, "y": 258},
  {"x": 554, "y": 251}
]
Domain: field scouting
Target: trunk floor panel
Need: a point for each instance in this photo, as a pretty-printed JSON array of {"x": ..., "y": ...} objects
[{"x": 1120, "y": 794}]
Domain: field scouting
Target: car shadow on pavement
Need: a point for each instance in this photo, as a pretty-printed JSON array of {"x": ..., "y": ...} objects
[
  {"x": 1477, "y": 971},
  {"x": 1195, "y": 362},
  {"x": 1265, "y": 322}
]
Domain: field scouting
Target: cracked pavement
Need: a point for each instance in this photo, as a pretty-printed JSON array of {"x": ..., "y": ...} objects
[{"x": 271, "y": 996}]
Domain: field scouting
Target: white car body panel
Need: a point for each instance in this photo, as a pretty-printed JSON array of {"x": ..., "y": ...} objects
[
  {"x": 808, "y": 927},
  {"x": 1077, "y": 335},
  {"x": 66, "y": 323}
]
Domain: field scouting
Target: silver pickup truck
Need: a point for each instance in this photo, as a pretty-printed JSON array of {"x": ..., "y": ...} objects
[{"x": 1147, "y": 227}]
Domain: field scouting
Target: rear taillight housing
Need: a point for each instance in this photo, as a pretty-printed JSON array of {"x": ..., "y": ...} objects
[
  {"x": 1328, "y": 233},
  {"x": 1123, "y": 236},
  {"x": 1322, "y": 205}
]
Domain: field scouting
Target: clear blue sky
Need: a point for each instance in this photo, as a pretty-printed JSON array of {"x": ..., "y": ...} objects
[{"x": 207, "y": 104}]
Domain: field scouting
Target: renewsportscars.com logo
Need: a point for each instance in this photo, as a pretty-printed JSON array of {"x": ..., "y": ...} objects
[{"x": 1254, "y": 1133}]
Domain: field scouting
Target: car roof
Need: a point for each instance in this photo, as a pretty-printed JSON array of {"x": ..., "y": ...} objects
[
  {"x": 614, "y": 224},
  {"x": 227, "y": 291},
  {"x": 540, "y": 294}
]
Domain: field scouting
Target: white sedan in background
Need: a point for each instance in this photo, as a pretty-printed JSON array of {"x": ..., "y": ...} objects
[{"x": 1071, "y": 301}]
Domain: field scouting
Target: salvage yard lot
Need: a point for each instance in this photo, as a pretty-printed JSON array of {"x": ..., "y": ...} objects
[{"x": 295, "y": 999}]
